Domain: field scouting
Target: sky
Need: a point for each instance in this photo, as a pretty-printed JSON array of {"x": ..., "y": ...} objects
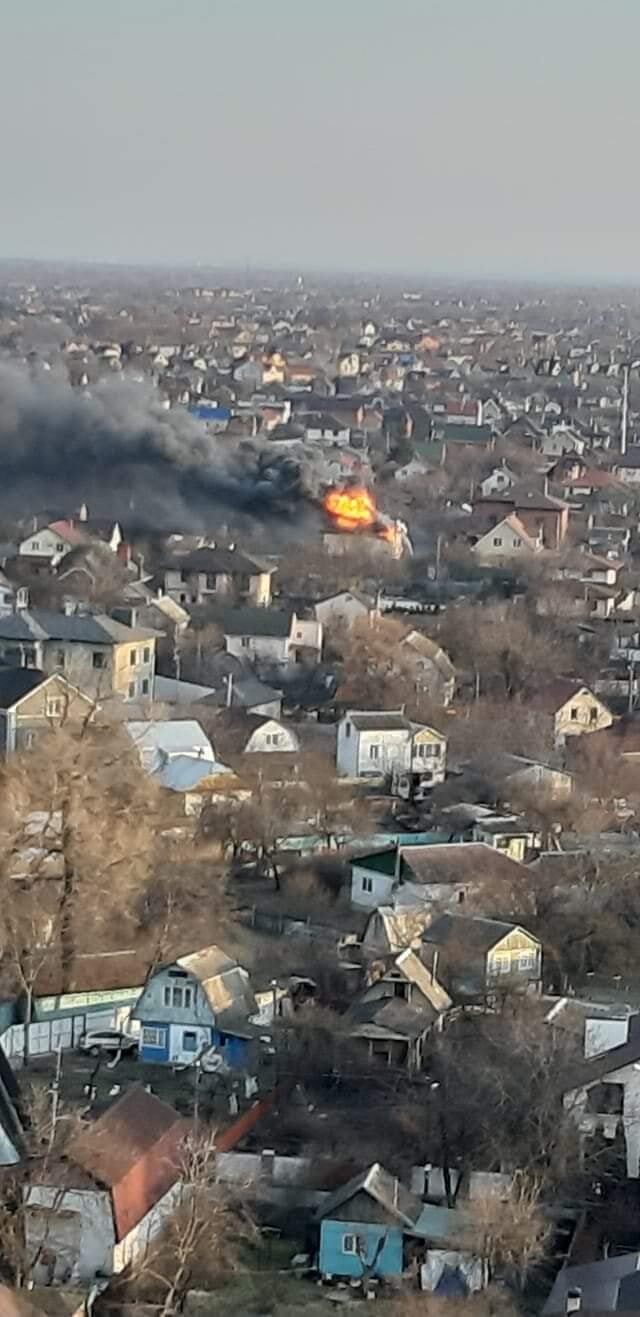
[{"x": 442, "y": 137}]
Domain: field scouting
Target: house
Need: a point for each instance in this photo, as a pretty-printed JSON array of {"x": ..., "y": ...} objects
[
  {"x": 571, "y": 707},
  {"x": 604, "y": 1097},
  {"x": 343, "y": 608},
  {"x": 247, "y": 733},
  {"x": 561, "y": 441},
  {"x": 241, "y": 690},
  {"x": 508, "y": 833},
  {"x": 32, "y": 703},
  {"x": 507, "y": 540},
  {"x": 375, "y": 744},
  {"x": 498, "y": 480},
  {"x": 627, "y": 468},
  {"x": 217, "y": 573},
  {"x": 201, "y": 1000},
  {"x": 95, "y": 653},
  {"x": 177, "y": 753},
  {"x": 541, "y": 514},
  {"x": 400, "y": 1005},
  {"x": 268, "y": 635},
  {"x": 374, "y": 1226},
  {"x": 97, "y": 1210},
  {"x": 517, "y": 773},
  {"x": 414, "y": 876},
  {"x": 389, "y": 930},
  {"x": 437, "y": 675},
  {"x": 472, "y": 956},
  {"x": 612, "y": 1284},
  {"x": 52, "y": 541}
]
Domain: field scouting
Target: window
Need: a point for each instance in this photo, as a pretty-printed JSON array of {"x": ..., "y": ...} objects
[
  {"x": 367, "y": 884},
  {"x": 132, "y": 690},
  {"x": 167, "y": 996},
  {"x": 133, "y": 657},
  {"x": 501, "y": 964},
  {"x": 401, "y": 990},
  {"x": 374, "y": 751},
  {"x": 60, "y": 658},
  {"x": 177, "y": 997},
  {"x": 245, "y": 641},
  {"x": 517, "y": 544},
  {"x": 188, "y": 994},
  {"x": 145, "y": 686},
  {"x": 146, "y": 654},
  {"x": 497, "y": 542},
  {"x": 35, "y": 544},
  {"x": 189, "y": 1040},
  {"x": 153, "y": 1037},
  {"x": 29, "y": 740},
  {"x": 593, "y": 715},
  {"x": 347, "y": 729},
  {"x": 53, "y": 706},
  {"x": 526, "y": 960},
  {"x": 273, "y": 738},
  {"x": 59, "y": 548},
  {"x": 574, "y": 714},
  {"x": 352, "y": 1243},
  {"x": 98, "y": 659}
]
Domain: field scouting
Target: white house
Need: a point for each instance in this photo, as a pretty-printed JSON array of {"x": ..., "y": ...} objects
[
  {"x": 605, "y": 1097},
  {"x": 498, "y": 480},
  {"x": 53, "y": 541},
  {"x": 270, "y": 635},
  {"x": 440, "y": 875},
  {"x": 344, "y": 608},
  {"x": 98, "y": 1210},
  {"x": 380, "y": 744},
  {"x": 508, "y": 539}
]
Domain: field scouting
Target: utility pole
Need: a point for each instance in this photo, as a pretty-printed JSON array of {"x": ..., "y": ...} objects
[
  {"x": 624, "y": 420},
  {"x": 55, "y": 1096}
]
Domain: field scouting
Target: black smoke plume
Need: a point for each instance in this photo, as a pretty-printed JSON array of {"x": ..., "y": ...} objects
[{"x": 118, "y": 448}]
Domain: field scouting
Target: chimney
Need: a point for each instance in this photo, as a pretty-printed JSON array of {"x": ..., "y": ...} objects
[
  {"x": 267, "y": 1164},
  {"x": 22, "y": 599},
  {"x": 83, "y": 512},
  {"x": 573, "y": 1301}
]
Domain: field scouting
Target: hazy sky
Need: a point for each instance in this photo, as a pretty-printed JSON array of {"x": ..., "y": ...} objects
[{"x": 432, "y": 136}]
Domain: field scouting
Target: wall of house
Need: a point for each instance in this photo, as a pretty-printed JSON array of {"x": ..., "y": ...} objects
[
  {"x": 75, "y": 661},
  {"x": 154, "y": 1011},
  {"x": 582, "y": 713},
  {"x": 306, "y": 633},
  {"x": 588, "y": 1122},
  {"x": 368, "y": 888},
  {"x": 333, "y": 1261},
  {"x": 432, "y": 762},
  {"x": 139, "y": 1237},
  {"x": 347, "y": 749},
  {"x": 260, "y": 588},
  {"x": 343, "y": 609},
  {"x": 77, "y": 1225},
  {"x": 132, "y": 672},
  {"x": 270, "y": 649},
  {"x": 262, "y": 740},
  {"x": 516, "y": 956},
  {"x": 44, "y": 544},
  {"x": 39, "y": 712}
]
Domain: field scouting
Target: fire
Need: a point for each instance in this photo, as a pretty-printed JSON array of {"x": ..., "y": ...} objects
[
  {"x": 351, "y": 509},
  {"x": 354, "y": 509}
]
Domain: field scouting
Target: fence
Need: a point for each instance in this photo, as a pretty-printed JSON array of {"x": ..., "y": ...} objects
[{"x": 46, "y": 1036}]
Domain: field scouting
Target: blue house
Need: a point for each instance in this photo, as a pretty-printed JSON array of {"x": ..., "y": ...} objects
[
  {"x": 363, "y": 1226},
  {"x": 201, "y": 1000}
]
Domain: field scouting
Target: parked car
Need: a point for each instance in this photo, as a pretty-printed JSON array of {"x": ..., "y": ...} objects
[{"x": 95, "y": 1041}]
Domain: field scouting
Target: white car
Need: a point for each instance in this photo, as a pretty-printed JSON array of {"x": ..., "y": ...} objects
[{"x": 97, "y": 1041}]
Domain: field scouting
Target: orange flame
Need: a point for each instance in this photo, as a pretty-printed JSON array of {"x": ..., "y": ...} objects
[
  {"x": 354, "y": 509},
  {"x": 351, "y": 509}
]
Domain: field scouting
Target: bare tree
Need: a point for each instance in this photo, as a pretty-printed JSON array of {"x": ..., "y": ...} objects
[{"x": 511, "y": 1233}]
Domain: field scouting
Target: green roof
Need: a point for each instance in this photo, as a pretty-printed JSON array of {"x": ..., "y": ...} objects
[{"x": 379, "y": 861}]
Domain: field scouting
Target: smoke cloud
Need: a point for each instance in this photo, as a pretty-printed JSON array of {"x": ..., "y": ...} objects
[{"x": 120, "y": 449}]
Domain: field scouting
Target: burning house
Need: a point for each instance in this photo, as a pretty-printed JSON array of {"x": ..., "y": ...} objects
[{"x": 353, "y": 511}]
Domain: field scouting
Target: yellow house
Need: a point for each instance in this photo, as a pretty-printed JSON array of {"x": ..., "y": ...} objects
[
  {"x": 474, "y": 955},
  {"x": 572, "y": 707}
]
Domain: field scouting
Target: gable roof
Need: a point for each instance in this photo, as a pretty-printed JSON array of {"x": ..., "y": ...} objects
[
  {"x": 553, "y": 695},
  {"x": 219, "y": 561},
  {"x": 591, "y": 1071},
  {"x": 609, "y": 1285},
  {"x": 379, "y": 721},
  {"x": 15, "y": 683},
  {"x": 31, "y": 624},
  {"x": 473, "y": 932},
  {"x": 383, "y": 1188},
  {"x": 456, "y": 862},
  {"x": 112, "y": 1145},
  {"x": 250, "y": 621},
  {"x": 380, "y": 1017},
  {"x": 515, "y": 525}
]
